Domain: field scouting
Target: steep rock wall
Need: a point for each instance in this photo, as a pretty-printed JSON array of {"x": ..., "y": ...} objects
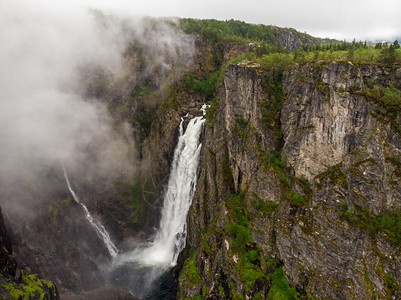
[
  {"x": 324, "y": 125},
  {"x": 16, "y": 282},
  {"x": 308, "y": 196}
]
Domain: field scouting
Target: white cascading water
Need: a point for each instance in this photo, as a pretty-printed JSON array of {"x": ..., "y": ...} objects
[
  {"x": 170, "y": 239},
  {"x": 99, "y": 228}
]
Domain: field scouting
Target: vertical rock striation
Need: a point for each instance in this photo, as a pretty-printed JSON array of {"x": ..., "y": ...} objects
[{"x": 312, "y": 186}]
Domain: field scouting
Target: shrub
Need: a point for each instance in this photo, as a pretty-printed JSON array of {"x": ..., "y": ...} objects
[
  {"x": 248, "y": 268},
  {"x": 280, "y": 288},
  {"x": 240, "y": 236},
  {"x": 242, "y": 126},
  {"x": 266, "y": 207}
]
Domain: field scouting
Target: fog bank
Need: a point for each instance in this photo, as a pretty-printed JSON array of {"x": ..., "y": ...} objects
[{"x": 46, "y": 116}]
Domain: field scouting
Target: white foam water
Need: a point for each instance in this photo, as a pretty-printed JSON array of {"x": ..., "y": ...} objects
[{"x": 170, "y": 239}]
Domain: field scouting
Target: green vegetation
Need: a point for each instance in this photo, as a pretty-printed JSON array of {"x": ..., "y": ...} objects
[
  {"x": 323, "y": 54},
  {"x": 15, "y": 292},
  {"x": 189, "y": 276},
  {"x": 211, "y": 112},
  {"x": 190, "y": 272},
  {"x": 388, "y": 222},
  {"x": 334, "y": 175},
  {"x": 30, "y": 288},
  {"x": 396, "y": 161},
  {"x": 388, "y": 55},
  {"x": 242, "y": 127},
  {"x": 250, "y": 267},
  {"x": 55, "y": 211},
  {"x": 132, "y": 193},
  {"x": 240, "y": 236},
  {"x": 238, "y": 229},
  {"x": 236, "y": 205},
  {"x": 170, "y": 97},
  {"x": 288, "y": 180},
  {"x": 280, "y": 288},
  {"x": 236, "y": 31},
  {"x": 266, "y": 207},
  {"x": 129, "y": 192},
  {"x": 204, "y": 84},
  {"x": 391, "y": 285},
  {"x": 145, "y": 108},
  {"x": 368, "y": 281},
  {"x": 387, "y": 102},
  {"x": 271, "y": 106}
]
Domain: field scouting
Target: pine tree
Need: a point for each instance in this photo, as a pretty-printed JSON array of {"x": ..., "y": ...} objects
[{"x": 387, "y": 56}]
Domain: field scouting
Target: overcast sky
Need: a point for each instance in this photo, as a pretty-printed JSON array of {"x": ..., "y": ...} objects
[{"x": 341, "y": 19}]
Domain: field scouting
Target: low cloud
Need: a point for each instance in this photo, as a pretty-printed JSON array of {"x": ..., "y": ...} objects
[{"x": 46, "y": 116}]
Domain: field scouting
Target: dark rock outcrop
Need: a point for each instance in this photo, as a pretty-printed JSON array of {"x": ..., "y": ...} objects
[{"x": 16, "y": 282}]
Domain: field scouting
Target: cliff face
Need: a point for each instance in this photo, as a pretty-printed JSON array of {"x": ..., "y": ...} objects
[
  {"x": 323, "y": 127},
  {"x": 56, "y": 241},
  {"x": 16, "y": 282},
  {"x": 291, "y": 39},
  {"x": 308, "y": 188}
]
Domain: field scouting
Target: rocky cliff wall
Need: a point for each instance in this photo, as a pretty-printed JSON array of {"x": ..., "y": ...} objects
[
  {"x": 296, "y": 203},
  {"x": 16, "y": 282},
  {"x": 292, "y": 39}
]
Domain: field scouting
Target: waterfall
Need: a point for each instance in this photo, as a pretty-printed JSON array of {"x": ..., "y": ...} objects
[
  {"x": 170, "y": 240},
  {"x": 171, "y": 236},
  {"x": 99, "y": 228}
]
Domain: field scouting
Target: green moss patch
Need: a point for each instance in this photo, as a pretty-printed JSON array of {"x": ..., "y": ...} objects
[
  {"x": 266, "y": 207},
  {"x": 334, "y": 175},
  {"x": 250, "y": 267},
  {"x": 280, "y": 288},
  {"x": 190, "y": 272},
  {"x": 288, "y": 180},
  {"x": 388, "y": 222},
  {"x": 387, "y": 101},
  {"x": 189, "y": 277}
]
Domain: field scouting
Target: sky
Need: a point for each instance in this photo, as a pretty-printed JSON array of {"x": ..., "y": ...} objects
[{"x": 342, "y": 19}]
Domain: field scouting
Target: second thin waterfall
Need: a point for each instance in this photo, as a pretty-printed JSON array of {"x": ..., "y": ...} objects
[{"x": 97, "y": 226}]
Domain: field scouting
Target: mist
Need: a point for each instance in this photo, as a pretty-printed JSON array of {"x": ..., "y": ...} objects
[{"x": 47, "y": 117}]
